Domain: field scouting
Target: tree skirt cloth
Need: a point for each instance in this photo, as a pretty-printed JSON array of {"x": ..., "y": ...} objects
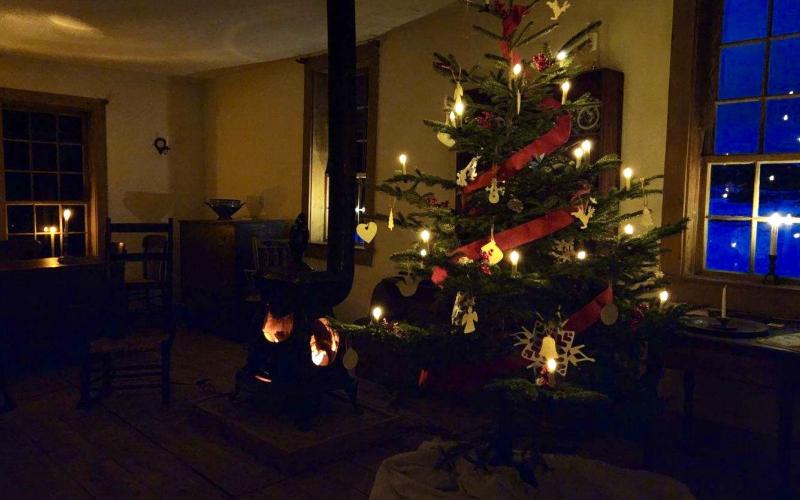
[{"x": 413, "y": 475}]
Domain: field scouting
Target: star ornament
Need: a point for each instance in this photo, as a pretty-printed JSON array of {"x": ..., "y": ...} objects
[{"x": 568, "y": 354}]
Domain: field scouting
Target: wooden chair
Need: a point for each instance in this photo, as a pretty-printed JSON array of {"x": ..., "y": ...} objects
[{"x": 123, "y": 360}]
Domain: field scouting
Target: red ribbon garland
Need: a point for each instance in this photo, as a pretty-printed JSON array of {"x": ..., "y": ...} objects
[
  {"x": 546, "y": 144},
  {"x": 590, "y": 313}
]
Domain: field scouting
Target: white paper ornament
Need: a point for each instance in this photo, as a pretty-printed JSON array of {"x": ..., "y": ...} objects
[
  {"x": 350, "y": 359},
  {"x": 532, "y": 342},
  {"x": 445, "y": 139},
  {"x": 584, "y": 212},
  {"x": 390, "y": 224},
  {"x": 367, "y": 231},
  {"x": 494, "y": 192},
  {"x": 609, "y": 314},
  {"x": 494, "y": 252},
  {"x": 469, "y": 319},
  {"x": 557, "y": 8},
  {"x": 455, "y": 315}
]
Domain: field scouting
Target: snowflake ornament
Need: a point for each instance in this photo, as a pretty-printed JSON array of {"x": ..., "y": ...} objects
[
  {"x": 563, "y": 251},
  {"x": 568, "y": 354}
]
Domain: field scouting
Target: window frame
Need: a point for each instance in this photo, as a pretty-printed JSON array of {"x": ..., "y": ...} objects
[
  {"x": 368, "y": 60},
  {"x": 95, "y": 163},
  {"x": 694, "y": 63}
]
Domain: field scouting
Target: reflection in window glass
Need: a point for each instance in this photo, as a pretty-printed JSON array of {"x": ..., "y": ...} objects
[
  {"x": 20, "y": 218},
  {"x": 744, "y": 19},
  {"x": 785, "y": 17},
  {"x": 788, "y": 263},
  {"x": 784, "y": 66},
  {"x": 741, "y": 71},
  {"x": 779, "y": 189},
  {"x": 782, "y": 134},
  {"x": 728, "y": 246},
  {"x": 16, "y": 155},
  {"x": 738, "y": 128},
  {"x": 731, "y": 190}
]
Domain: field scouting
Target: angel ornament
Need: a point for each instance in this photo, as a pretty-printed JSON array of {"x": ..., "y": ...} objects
[
  {"x": 469, "y": 319},
  {"x": 585, "y": 211},
  {"x": 495, "y": 191},
  {"x": 557, "y": 8}
]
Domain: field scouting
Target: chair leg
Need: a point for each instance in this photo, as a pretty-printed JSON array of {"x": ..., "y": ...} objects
[{"x": 166, "y": 382}]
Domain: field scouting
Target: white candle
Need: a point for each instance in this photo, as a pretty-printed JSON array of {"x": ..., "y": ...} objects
[
  {"x": 52, "y": 231},
  {"x": 627, "y": 174},
  {"x": 565, "y": 91},
  {"x": 65, "y": 236},
  {"x": 377, "y": 313},
  {"x": 663, "y": 297},
  {"x": 514, "y": 258},
  {"x": 578, "y": 152},
  {"x": 774, "y": 222},
  {"x": 403, "y": 159},
  {"x": 724, "y": 307}
]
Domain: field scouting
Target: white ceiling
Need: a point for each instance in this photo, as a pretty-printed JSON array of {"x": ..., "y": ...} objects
[{"x": 184, "y": 37}]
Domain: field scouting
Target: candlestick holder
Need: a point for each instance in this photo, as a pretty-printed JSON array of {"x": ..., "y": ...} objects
[{"x": 771, "y": 278}]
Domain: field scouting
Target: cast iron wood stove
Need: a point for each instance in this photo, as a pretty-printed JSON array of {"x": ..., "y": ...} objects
[{"x": 295, "y": 355}]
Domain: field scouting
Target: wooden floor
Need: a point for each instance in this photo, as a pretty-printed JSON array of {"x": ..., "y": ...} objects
[{"x": 130, "y": 446}]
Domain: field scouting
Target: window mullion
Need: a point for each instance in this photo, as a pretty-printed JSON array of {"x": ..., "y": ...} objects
[{"x": 754, "y": 222}]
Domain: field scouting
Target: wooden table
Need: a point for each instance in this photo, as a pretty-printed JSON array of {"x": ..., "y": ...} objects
[
  {"x": 49, "y": 308},
  {"x": 778, "y": 367}
]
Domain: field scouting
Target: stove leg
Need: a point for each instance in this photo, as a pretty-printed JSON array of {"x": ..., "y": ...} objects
[{"x": 351, "y": 389}]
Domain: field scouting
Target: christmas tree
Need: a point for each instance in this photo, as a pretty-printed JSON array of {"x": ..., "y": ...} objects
[{"x": 535, "y": 259}]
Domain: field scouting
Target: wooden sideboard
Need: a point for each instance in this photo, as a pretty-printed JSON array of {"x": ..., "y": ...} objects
[{"x": 213, "y": 258}]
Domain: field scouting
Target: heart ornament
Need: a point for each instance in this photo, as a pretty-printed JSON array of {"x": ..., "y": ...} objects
[{"x": 367, "y": 231}]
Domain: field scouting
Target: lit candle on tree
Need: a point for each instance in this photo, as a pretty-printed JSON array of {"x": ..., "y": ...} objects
[
  {"x": 565, "y": 91},
  {"x": 578, "y": 152},
  {"x": 628, "y": 175},
  {"x": 663, "y": 297},
  {"x": 403, "y": 159},
  {"x": 377, "y": 313},
  {"x": 514, "y": 258},
  {"x": 425, "y": 236}
]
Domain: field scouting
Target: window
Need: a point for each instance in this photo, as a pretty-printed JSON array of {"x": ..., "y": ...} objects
[
  {"x": 752, "y": 166},
  {"x": 50, "y": 163},
  {"x": 315, "y": 182}
]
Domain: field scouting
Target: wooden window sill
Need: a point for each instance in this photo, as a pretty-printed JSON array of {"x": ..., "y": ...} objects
[{"x": 362, "y": 256}]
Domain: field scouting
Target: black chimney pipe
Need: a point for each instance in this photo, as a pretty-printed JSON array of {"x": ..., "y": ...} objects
[{"x": 340, "y": 168}]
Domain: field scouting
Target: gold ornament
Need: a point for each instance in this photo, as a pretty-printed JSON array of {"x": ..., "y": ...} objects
[{"x": 367, "y": 231}]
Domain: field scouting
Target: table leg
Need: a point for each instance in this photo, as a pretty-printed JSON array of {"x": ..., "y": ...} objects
[
  {"x": 688, "y": 406},
  {"x": 785, "y": 424}
]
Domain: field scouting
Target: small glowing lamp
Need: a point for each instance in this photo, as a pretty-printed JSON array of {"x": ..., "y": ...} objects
[
  {"x": 564, "y": 91},
  {"x": 663, "y": 296},
  {"x": 423, "y": 252},
  {"x": 517, "y": 69},
  {"x": 458, "y": 107},
  {"x": 67, "y": 214},
  {"x": 628, "y": 229},
  {"x": 581, "y": 255},
  {"x": 514, "y": 258},
  {"x": 402, "y": 159},
  {"x": 562, "y": 55},
  {"x": 551, "y": 365},
  {"x": 425, "y": 235},
  {"x": 377, "y": 313},
  {"x": 586, "y": 146},
  {"x": 578, "y": 153}
]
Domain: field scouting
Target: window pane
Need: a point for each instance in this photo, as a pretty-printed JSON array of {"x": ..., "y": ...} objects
[
  {"x": 784, "y": 67},
  {"x": 728, "y": 246},
  {"x": 15, "y": 124},
  {"x": 45, "y": 187},
  {"x": 47, "y": 215},
  {"x": 779, "y": 189},
  {"x": 43, "y": 156},
  {"x": 71, "y": 187},
  {"x": 788, "y": 263},
  {"x": 744, "y": 19},
  {"x": 782, "y": 134},
  {"x": 15, "y": 155},
  {"x": 741, "y": 71},
  {"x": 20, "y": 219},
  {"x": 43, "y": 127},
  {"x": 18, "y": 187},
  {"x": 70, "y": 129},
  {"x": 785, "y": 17},
  {"x": 77, "y": 223},
  {"x": 47, "y": 250},
  {"x": 70, "y": 158},
  {"x": 731, "y": 190},
  {"x": 76, "y": 244},
  {"x": 737, "y": 128}
]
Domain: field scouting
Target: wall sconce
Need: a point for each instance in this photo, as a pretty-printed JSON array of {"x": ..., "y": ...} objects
[{"x": 161, "y": 145}]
